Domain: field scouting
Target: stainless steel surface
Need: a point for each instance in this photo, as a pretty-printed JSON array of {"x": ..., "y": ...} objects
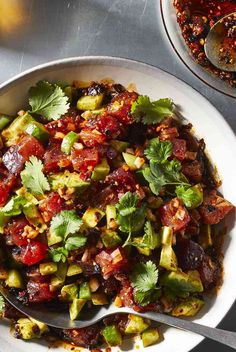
[
  {"x": 37, "y": 31},
  {"x": 62, "y": 320},
  {"x": 213, "y": 44}
]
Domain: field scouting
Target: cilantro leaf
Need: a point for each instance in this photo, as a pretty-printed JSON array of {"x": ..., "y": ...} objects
[
  {"x": 158, "y": 151},
  {"x": 75, "y": 242},
  {"x": 151, "y": 239},
  {"x": 48, "y": 100},
  {"x": 33, "y": 178},
  {"x": 130, "y": 218},
  {"x": 14, "y": 206},
  {"x": 191, "y": 196},
  {"x": 65, "y": 223},
  {"x": 59, "y": 254},
  {"x": 151, "y": 112},
  {"x": 2, "y": 304},
  {"x": 144, "y": 279}
]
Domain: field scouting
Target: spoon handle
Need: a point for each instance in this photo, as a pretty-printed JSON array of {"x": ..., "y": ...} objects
[{"x": 227, "y": 338}]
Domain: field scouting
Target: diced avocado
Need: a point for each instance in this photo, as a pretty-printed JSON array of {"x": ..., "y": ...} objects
[
  {"x": 42, "y": 327},
  {"x": 52, "y": 238},
  {"x": 38, "y": 131},
  {"x": 92, "y": 216},
  {"x": 5, "y": 120},
  {"x": 68, "y": 92},
  {"x": 188, "y": 308},
  {"x": 130, "y": 160},
  {"x": 75, "y": 307},
  {"x": 74, "y": 269},
  {"x": 119, "y": 145},
  {"x": 204, "y": 238},
  {"x": 166, "y": 235},
  {"x": 110, "y": 238},
  {"x": 135, "y": 325},
  {"x": 48, "y": 268},
  {"x": 168, "y": 258},
  {"x": 27, "y": 329},
  {"x": 34, "y": 217},
  {"x": 99, "y": 299},
  {"x": 181, "y": 282},
  {"x": 84, "y": 291},
  {"x": 69, "y": 292},
  {"x": 69, "y": 180},
  {"x": 14, "y": 279},
  {"x": 111, "y": 217},
  {"x": 150, "y": 336},
  {"x": 101, "y": 170},
  {"x": 112, "y": 335},
  {"x": 58, "y": 279},
  {"x": 142, "y": 250},
  {"x": 28, "y": 196},
  {"x": 12, "y": 133},
  {"x": 3, "y": 221},
  {"x": 90, "y": 102},
  {"x": 68, "y": 142}
]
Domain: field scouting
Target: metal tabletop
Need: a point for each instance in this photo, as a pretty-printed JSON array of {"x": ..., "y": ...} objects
[{"x": 37, "y": 31}]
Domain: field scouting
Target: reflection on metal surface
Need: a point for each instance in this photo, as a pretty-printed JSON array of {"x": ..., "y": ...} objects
[{"x": 12, "y": 16}]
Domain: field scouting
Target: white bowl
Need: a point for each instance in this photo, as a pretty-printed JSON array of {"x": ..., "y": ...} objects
[{"x": 207, "y": 121}]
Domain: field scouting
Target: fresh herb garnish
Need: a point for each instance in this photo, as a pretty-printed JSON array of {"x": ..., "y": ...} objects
[
  {"x": 14, "y": 206},
  {"x": 158, "y": 151},
  {"x": 144, "y": 280},
  {"x": 75, "y": 242},
  {"x": 59, "y": 254},
  {"x": 151, "y": 112},
  {"x": 151, "y": 239},
  {"x": 33, "y": 178},
  {"x": 130, "y": 217},
  {"x": 48, "y": 100},
  {"x": 191, "y": 196}
]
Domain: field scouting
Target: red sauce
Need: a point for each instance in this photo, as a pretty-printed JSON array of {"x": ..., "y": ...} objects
[{"x": 217, "y": 8}]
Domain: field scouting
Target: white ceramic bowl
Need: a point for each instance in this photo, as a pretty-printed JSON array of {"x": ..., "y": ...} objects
[{"x": 208, "y": 124}]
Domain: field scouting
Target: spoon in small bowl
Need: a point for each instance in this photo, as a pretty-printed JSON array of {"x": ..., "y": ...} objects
[
  {"x": 61, "y": 320},
  {"x": 220, "y": 43}
]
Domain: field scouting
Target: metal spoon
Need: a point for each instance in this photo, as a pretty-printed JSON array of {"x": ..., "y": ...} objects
[
  {"x": 61, "y": 320},
  {"x": 213, "y": 45}
]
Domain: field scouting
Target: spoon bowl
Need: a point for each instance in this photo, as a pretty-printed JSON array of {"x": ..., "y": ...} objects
[{"x": 221, "y": 53}]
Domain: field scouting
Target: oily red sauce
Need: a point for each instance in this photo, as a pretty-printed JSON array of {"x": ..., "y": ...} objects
[{"x": 196, "y": 17}]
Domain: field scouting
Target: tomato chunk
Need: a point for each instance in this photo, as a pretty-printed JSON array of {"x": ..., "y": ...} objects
[
  {"x": 85, "y": 158},
  {"x": 111, "y": 262},
  {"x": 174, "y": 214},
  {"x": 214, "y": 208},
  {"x": 179, "y": 148},
  {"x": 91, "y": 138},
  {"x": 52, "y": 205},
  {"x": 14, "y": 232},
  {"x": 193, "y": 170},
  {"x": 120, "y": 106},
  {"x": 64, "y": 125},
  {"x": 33, "y": 253},
  {"x": 55, "y": 159},
  {"x": 121, "y": 179},
  {"x": 39, "y": 292}
]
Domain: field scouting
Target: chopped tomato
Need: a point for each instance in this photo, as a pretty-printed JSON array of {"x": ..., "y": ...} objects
[
  {"x": 55, "y": 159},
  {"x": 111, "y": 262},
  {"x": 193, "y": 170},
  {"x": 64, "y": 125},
  {"x": 169, "y": 133},
  {"x": 84, "y": 158},
  {"x": 4, "y": 194},
  {"x": 109, "y": 126},
  {"x": 50, "y": 206},
  {"x": 91, "y": 138},
  {"x": 120, "y": 106},
  {"x": 214, "y": 208},
  {"x": 174, "y": 214},
  {"x": 39, "y": 292},
  {"x": 179, "y": 148},
  {"x": 14, "y": 232},
  {"x": 123, "y": 180},
  {"x": 33, "y": 253}
]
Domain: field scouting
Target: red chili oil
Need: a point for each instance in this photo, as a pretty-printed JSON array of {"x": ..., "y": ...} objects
[{"x": 218, "y": 8}]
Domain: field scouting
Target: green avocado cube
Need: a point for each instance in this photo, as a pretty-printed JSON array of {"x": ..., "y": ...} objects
[
  {"x": 168, "y": 258},
  {"x": 130, "y": 160},
  {"x": 12, "y": 133},
  {"x": 99, "y": 299},
  {"x": 150, "y": 336},
  {"x": 68, "y": 180},
  {"x": 101, "y": 170},
  {"x": 112, "y": 335},
  {"x": 142, "y": 250},
  {"x": 5, "y": 120},
  {"x": 14, "y": 279},
  {"x": 111, "y": 217},
  {"x": 110, "y": 238},
  {"x": 69, "y": 292},
  {"x": 27, "y": 329},
  {"x": 34, "y": 217},
  {"x": 92, "y": 216},
  {"x": 181, "y": 282},
  {"x": 38, "y": 131},
  {"x": 47, "y": 268},
  {"x": 135, "y": 325},
  {"x": 76, "y": 307},
  {"x": 90, "y": 102},
  {"x": 84, "y": 291},
  {"x": 188, "y": 308},
  {"x": 58, "y": 278},
  {"x": 68, "y": 142},
  {"x": 119, "y": 145},
  {"x": 74, "y": 269}
]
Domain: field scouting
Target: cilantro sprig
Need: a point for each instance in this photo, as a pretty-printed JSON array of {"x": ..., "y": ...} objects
[
  {"x": 151, "y": 239},
  {"x": 151, "y": 112},
  {"x": 48, "y": 100},
  {"x": 161, "y": 171},
  {"x": 66, "y": 225},
  {"x": 144, "y": 280},
  {"x": 130, "y": 217},
  {"x": 33, "y": 178}
]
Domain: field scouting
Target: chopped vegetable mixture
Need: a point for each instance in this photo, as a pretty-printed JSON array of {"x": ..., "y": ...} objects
[{"x": 105, "y": 197}]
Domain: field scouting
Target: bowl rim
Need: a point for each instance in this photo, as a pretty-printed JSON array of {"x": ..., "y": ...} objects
[
  {"x": 182, "y": 59},
  {"x": 133, "y": 65}
]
